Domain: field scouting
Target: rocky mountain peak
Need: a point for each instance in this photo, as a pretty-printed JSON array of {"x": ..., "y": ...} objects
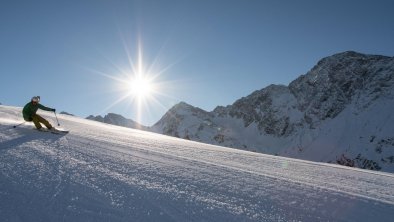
[
  {"x": 331, "y": 110},
  {"x": 182, "y": 106},
  {"x": 176, "y": 115},
  {"x": 337, "y": 80}
]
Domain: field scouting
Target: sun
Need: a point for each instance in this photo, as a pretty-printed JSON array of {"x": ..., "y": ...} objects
[{"x": 140, "y": 87}]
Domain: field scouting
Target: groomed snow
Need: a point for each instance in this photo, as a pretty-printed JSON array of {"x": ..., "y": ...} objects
[{"x": 100, "y": 172}]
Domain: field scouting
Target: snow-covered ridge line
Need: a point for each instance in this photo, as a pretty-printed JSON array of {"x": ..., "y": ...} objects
[{"x": 336, "y": 113}]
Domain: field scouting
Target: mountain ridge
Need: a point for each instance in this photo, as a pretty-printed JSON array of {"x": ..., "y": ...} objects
[
  {"x": 118, "y": 120},
  {"x": 289, "y": 120}
]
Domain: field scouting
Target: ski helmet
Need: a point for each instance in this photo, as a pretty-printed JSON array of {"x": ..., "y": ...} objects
[{"x": 35, "y": 99}]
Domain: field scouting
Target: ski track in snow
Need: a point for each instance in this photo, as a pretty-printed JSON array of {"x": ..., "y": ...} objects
[{"x": 99, "y": 172}]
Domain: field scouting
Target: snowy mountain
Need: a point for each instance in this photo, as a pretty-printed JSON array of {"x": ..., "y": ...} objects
[
  {"x": 339, "y": 112},
  {"x": 118, "y": 120},
  {"x": 100, "y": 172}
]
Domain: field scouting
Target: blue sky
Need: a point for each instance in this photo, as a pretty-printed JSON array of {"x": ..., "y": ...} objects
[{"x": 204, "y": 52}]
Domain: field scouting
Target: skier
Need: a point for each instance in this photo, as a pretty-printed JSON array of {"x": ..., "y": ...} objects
[{"x": 29, "y": 113}]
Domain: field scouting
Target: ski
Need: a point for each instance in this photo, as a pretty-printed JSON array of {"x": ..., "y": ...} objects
[
  {"x": 59, "y": 131},
  {"x": 53, "y": 131}
]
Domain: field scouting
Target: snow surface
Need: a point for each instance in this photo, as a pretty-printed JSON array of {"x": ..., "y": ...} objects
[{"x": 100, "y": 172}]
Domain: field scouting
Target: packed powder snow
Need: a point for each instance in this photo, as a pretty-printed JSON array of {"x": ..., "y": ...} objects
[{"x": 100, "y": 172}]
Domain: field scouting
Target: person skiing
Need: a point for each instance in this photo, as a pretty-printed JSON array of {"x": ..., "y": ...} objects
[{"x": 29, "y": 113}]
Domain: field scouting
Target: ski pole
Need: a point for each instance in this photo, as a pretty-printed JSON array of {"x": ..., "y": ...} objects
[
  {"x": 58, "y": 124},
  {"x": 19, "y": 124}
]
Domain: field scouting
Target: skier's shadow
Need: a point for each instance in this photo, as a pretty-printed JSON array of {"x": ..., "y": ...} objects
[{"x": 21, "y": 136}]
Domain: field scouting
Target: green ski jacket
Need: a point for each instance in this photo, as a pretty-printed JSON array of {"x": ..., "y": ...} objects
[{"x": 30, "y": 109}]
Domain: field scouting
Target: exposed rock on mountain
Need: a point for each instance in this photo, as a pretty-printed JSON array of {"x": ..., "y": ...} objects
[{"x": 326, "y": 115}]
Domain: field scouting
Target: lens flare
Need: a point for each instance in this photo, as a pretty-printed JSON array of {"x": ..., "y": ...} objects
[{"x": 138, "y": 85}]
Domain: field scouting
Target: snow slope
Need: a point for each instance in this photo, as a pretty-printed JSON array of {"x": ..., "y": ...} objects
[{"x": 101, "y": 172}]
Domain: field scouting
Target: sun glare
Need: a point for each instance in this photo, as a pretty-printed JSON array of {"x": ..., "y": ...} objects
[{"x": 140, "y": 87}]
